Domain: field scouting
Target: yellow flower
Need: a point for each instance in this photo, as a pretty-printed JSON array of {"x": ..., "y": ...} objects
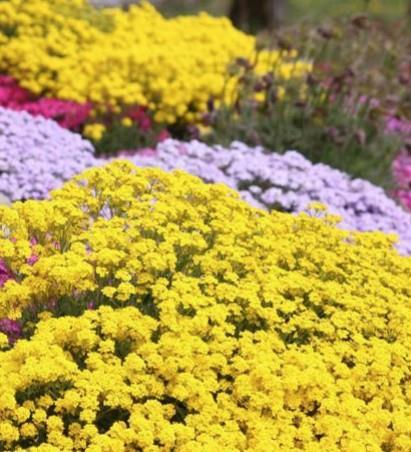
[
  {"x": 22, "y": 414},
  {"x": 94, "y": 131},
  {"x": 8, "y": 433},
  {"x": 127, "y": 122},
  {"x": 213, "y": 325},
  {"x": 28, "y": 430},
  {"x": 109, "y": 291},
  {"x": 117, "y": 59},
  {"x": 4, "y": 342}
]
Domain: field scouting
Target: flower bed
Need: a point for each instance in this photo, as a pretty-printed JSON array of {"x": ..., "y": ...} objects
[
  {"x": 116, "y": 59},
  {"x": 68, "y": 114},
  {"x": 286, "y": 182},
  {"x": 143, "y": 304},
  {"x": 213, "y": 325},
  {"x": 36, "y": 155}
]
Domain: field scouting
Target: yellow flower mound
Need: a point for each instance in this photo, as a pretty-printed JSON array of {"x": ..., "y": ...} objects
[
  {"x": 216, "y": 326},
  {"x": 67, "y": 49}
]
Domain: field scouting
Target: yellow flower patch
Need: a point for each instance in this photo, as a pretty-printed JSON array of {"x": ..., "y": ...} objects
[
  {"x": 215, "y": 326},
  {"x": 115, "y": 59}
]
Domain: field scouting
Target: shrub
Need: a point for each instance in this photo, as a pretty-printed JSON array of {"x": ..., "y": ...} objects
[
  {"x": 171, "y": 66},
  {"x": 214, "y": 325}
]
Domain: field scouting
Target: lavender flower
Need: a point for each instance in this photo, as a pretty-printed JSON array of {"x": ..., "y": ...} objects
[
  {"x": 37, "y": 155},
  {"x": 288, "y": 182}
]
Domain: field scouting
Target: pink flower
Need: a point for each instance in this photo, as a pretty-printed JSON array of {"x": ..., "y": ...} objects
[
  {"x": 401, "y": 168},
  {"x": 11, "y": 94},
  {"x": 404, "y": 196},
  {"x": 67, "y": 113},
  {"x": 163, "y": 135},
  {"x": 397, "y": 125},
  {"x": 11, "y": 328},
  {"x": 140, "y": 116},
  {"x": 5, "y": 273}
]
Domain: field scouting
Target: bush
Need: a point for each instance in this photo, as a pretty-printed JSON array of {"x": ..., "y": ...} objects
[
  {"x": 171, "y": 66},
  {"x": 175, "y": 316}
]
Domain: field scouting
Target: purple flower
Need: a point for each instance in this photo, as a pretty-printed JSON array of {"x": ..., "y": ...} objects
[
  {"x": 5, "y": 273},
  {"x": 37, "y": 155},
  {"x": 289, "y": 182},
  {"x": 11, "y": 328}
]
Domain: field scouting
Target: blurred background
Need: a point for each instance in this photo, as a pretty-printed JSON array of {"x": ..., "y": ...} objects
[{"x": 255, "y": 14}]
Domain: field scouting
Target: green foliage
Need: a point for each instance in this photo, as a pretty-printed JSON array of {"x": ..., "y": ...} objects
[
  {"x": 337, "y": 114},
  {"x": 119, "y": 137}
]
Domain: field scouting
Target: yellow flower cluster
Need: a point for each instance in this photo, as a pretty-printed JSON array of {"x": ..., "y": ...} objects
[
  {"x": 94, "y": 131},
  {"x": 173, "y": 66},
  {"x": 216, "y": 326}
]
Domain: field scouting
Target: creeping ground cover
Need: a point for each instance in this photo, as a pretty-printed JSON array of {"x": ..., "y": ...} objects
[
  {"x": 158, "y": 312},
  {"x": 287, "y": 182},
  {"x": 36, "y": 156}
]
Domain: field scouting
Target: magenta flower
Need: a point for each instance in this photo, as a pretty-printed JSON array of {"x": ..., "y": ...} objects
[
  {"x": 140, "y": 116},
  {"x": 11, "y": 93},
  {"x": 401, "y": 166},
  {"x": 69, "y": 114},
  {"x": 398, "y": 125},
  {"x": 5, "y": 273},
  {"x": 402, "y": 170},
  {"x": 11, "y": 328},
  {"x": 163, "y": 135}
]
